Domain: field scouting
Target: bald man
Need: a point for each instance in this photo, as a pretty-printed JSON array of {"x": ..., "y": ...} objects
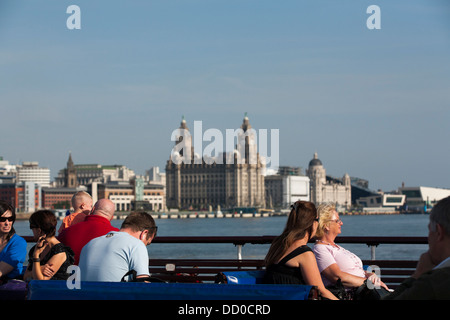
[{"x": 97, "y": 224}]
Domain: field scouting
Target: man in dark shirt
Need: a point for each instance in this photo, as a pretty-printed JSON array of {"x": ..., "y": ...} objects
[{"x": 431, "y": 280}]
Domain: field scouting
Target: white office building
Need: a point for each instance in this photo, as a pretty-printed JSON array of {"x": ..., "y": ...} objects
[
  {"x": 284, "y": 188},
  {"x": 31, "y": 172}
]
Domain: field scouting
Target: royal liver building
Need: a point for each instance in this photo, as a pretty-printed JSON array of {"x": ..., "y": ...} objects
[{"x": 232, "y": 179}]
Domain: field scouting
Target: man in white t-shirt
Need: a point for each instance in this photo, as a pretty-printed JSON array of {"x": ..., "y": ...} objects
[{"x": 110, "y": 257}]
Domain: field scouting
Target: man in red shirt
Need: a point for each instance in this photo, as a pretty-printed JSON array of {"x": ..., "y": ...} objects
[{"x": 97, "y": 224}]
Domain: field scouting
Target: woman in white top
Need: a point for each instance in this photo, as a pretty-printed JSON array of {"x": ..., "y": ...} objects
[{"x": 334, "y": 261}]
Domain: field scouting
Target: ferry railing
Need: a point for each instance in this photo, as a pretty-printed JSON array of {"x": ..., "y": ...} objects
[
  {"x": 199, "y": 270},
  {"x": 239, "y": 241},
  {"x": 371, "y": 241}
]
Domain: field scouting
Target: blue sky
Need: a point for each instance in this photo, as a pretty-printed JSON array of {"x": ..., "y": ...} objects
[{"x": 373, "y": 103}]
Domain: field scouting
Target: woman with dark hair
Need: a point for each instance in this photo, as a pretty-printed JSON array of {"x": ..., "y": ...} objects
[
  {"x": 290, "y": 260},
  {"x": 13, "y": 248},
  {"x": 49, "y": 258}
]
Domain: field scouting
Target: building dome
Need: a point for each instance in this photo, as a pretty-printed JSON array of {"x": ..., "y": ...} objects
[{"x": 315, "y": 161}]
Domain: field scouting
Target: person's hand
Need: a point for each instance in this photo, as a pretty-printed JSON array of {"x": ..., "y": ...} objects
[
  {"x": 424, "y": 265},
  {"x": 377, "y": 281},
  {"x": 48, "y": 271},
  {"x": 40, "y": 246}
]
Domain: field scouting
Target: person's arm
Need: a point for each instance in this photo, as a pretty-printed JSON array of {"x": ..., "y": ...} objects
[
  {"x": 333, "y": 273},
  {"x": 139, "y": 261},
  {"x": 55, "y": 261},
  {"x": 424, "y": 265},
  {"x": 311, "y": 274},
  {"x": 416, "y": 287},
  {"x": 14, "y": 256},
  {"x": 5, "y": 268},
  {"x": 330, "y": 269},
  {"x": 39, "y": 272}
]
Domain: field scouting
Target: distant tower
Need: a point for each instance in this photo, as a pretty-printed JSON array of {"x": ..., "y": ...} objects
[
  {"x": 247, "y": 142},
  {"x": 318, "y": 178},
  {"x": 183, "y": 144},
  {"x": 348, "y": 190},
  {"x": 71, "y": 174}
]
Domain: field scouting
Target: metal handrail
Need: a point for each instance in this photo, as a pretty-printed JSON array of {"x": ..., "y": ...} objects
[{"x": 239, "y": 241}]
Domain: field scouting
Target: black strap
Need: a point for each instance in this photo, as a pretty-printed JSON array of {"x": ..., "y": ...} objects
[
  {"x": 131, "y": 273},
  {"x": 134, "y": 278},
  {"x": 296, "y": 252}
]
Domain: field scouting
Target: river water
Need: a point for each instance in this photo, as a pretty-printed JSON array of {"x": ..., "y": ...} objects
[{"x": 361, "y": 225}]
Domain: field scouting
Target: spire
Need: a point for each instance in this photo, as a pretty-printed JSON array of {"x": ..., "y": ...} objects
[
  {"x": 71, "y": 173},
  {"x": 70, "y": 162}
]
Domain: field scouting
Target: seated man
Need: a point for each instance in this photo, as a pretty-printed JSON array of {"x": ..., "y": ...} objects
[
  {"x": 431, "y": 280},
  {"x": 97, "y": 224},
  {"x": 110, "y": 257}
]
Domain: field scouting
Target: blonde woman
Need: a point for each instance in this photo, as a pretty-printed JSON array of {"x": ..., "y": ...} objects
[
  {"x": 290, "y": 260},
  {"x": 334, "y": 261}
]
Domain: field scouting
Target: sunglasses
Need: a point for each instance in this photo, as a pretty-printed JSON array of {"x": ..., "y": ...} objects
[{"x": 3, "y": 219}]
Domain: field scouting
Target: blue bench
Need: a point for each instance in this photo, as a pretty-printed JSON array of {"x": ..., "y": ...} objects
[{"x": 58, "y": 290}]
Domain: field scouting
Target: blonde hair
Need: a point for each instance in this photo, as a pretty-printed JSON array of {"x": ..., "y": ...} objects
[
  {"x": 79, "y": 197},
  {"x": 326, "y": 213}
]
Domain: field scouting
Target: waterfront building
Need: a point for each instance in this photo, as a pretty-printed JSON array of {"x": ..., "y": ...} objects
[
  {"x": 154, "y": 176},
  {"x": 7, "y": 170},
  {"x": 24, "y": 196},
  {"x": 382, "y": 202},
  {"x": 58, "y": 198},
  {"x": 114, "y": 182},
  {"x": 125, "y": 195},
  {"x": 31, "y": 172},
  {"x": 75, "y": 175},
  {"x": 28, "y": 171},
  {"x": 196, "y": 182},
  {"x": 422, "y": 198},
  {"x": 286, "y": 187},
  {"x": 325, "y": 190}
]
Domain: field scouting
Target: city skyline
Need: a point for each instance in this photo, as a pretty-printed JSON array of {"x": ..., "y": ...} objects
[{"x": 371, "y": 103}]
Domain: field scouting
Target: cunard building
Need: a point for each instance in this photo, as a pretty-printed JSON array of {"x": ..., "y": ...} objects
[{"x": 197, "y": 182}]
